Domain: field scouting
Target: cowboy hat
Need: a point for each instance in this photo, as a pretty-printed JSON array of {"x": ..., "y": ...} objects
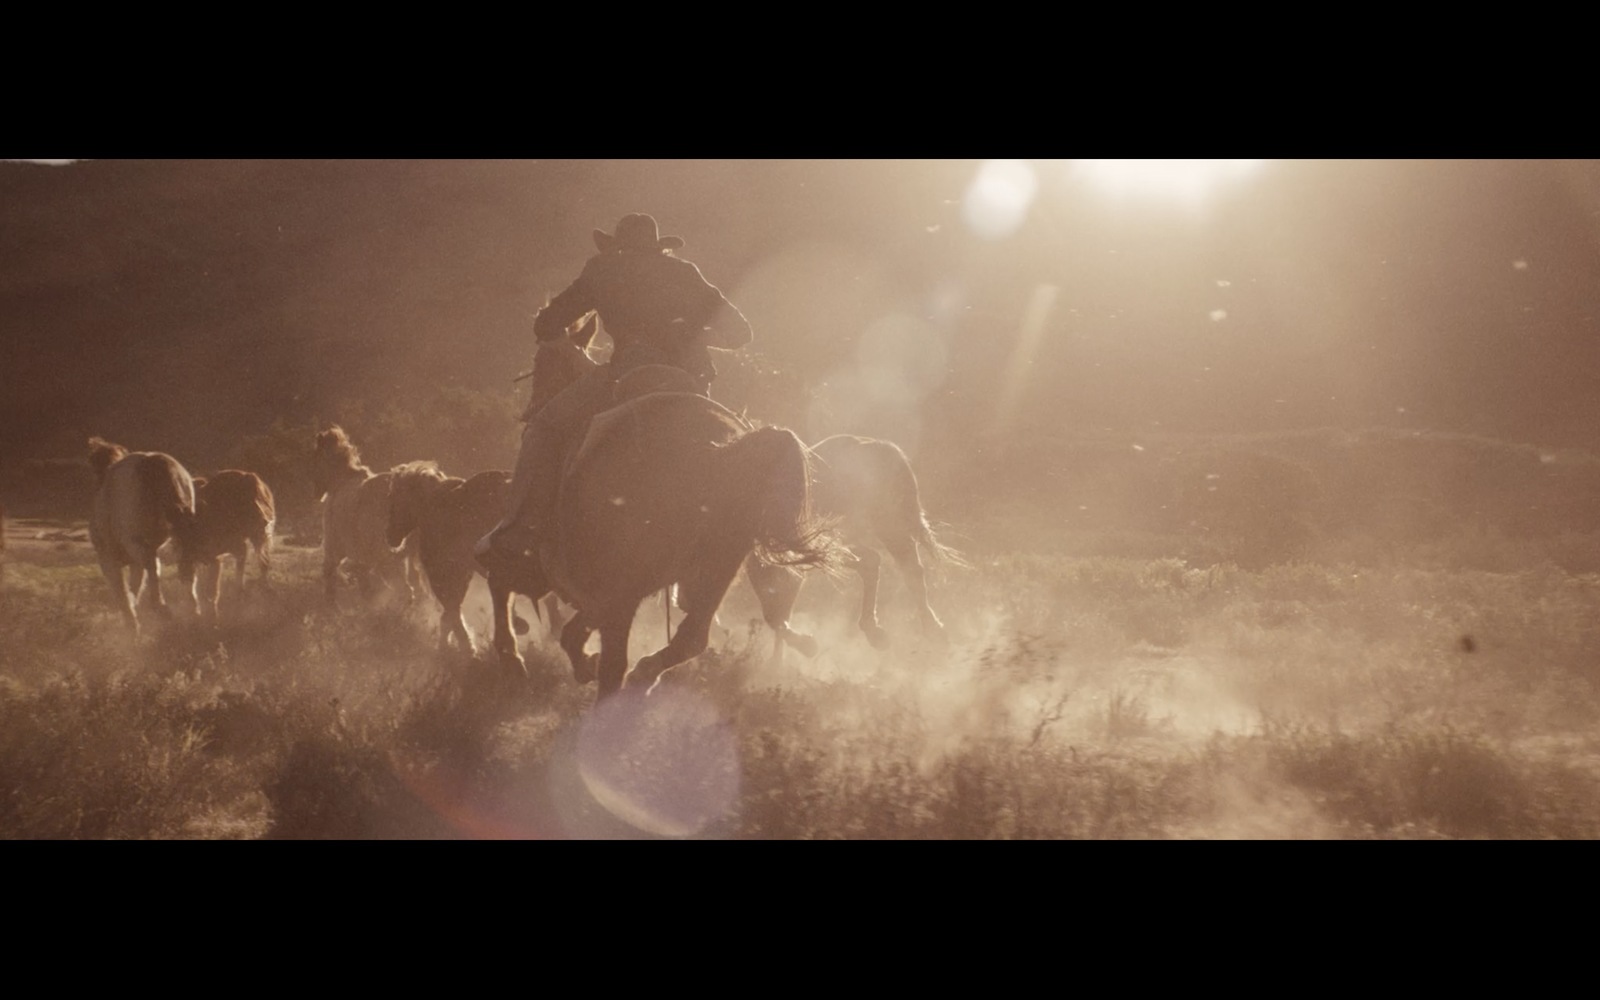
[{"x": 636, "y": 232}]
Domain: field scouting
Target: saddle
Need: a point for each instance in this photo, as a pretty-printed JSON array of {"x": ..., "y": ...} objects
[{"x": 646, "y": 379}]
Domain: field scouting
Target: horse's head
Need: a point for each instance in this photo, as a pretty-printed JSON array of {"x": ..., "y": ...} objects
[
  {"x": 103, "y": 455},
  {"x": 334, "y": 455},
  {"x": 560, "y": 362},
  {"x": 409, "y": 488}
]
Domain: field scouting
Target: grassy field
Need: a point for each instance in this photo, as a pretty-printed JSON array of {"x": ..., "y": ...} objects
[{"x": 1079, "y": 697}]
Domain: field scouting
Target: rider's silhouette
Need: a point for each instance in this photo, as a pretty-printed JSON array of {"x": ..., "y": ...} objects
[{"x": 658, "y": 309}]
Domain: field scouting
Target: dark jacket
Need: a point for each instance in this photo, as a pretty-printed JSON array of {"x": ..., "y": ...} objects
[{"x": 656, "y": 308}]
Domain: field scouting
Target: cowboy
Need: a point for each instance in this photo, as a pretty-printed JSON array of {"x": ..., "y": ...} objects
[{"x": 659, "y": 310}]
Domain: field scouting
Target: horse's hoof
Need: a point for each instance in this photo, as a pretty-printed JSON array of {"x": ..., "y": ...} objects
[
  {"x": 645, "y": 674},
  {"x": 512, "y": 660}
]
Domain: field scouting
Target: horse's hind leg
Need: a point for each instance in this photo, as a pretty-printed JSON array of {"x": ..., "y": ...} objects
[
  {"x": 866, "y": 564},
  {"x": 574, "y": 636},
  {"x": 152, "y": 597},
  {"x": 552, "y": 610},
  {"x": 904, "y": 550},
  {"x": 701, "y": 598},
  {"x": 501, "y": 597},
  {"x": 450, "y": 621},
  {"x": 613, "y": 653},
  {"x": 121, "y": 595},
  {"x": 777, "y": 588},
  {"x": 210, "y": 584}
]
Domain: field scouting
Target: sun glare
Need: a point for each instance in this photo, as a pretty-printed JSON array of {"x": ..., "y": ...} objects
[
  {"x": 1189, "y": 182},
  {"x": 998, "y": 198}
]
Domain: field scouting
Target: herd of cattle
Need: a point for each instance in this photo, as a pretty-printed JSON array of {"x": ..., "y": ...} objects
[{"x": 412, "y": 525}]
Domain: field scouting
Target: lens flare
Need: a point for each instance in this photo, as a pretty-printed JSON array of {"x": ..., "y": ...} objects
[
  {"x": 998, "y": 198},
  {"x": 666, "y": 764},
  {"x": 1187, "y": 182}
]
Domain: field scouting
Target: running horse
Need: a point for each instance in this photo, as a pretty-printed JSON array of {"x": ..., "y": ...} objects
[
  {"x": 447, "y": 515},
  {"x": 667, "y": 489},
  {"x": 868, "y": 485},
  {"x": 235, "y": 512},
  {"x": 355, "y": 516}
]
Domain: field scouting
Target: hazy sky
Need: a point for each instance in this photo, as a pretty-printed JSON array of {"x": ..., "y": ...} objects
[{"x": 1210, "y": 296}]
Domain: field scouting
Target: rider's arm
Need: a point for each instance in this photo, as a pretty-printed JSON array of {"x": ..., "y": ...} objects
[
  {"x": 728, "y": 329},
  {"x": 569, "y": 306},
  {"x": 723, "y": 324}
]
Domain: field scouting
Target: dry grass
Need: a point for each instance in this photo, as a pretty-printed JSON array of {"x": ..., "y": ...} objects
[{"x": 1080, "y": 697}]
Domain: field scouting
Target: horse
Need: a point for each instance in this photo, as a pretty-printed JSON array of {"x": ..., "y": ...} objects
[
  {"x": 355, "y": 516},
  {"x": 235, "y": 512},
  {"x": 670, "y": 489},
  {"x": 447, "y": 515},
  {"x": 868, "y": 486},
  {"x": 561, "y": 362},
  {"x": 141, "y": 500}
]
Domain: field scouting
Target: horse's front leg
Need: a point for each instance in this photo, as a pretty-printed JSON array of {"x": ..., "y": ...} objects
[{"x": 240, "y": 555}]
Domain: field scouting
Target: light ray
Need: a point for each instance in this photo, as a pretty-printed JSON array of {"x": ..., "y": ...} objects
[{"x": 1028, "y": 338}]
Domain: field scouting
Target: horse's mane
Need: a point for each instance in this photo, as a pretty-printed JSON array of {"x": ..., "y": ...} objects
[
  {"x": 103, "y": 455},
  {"x": 335, "y": 442},
  {"x": 425, "y": 471},
  {"x": 424, "y": 467}
]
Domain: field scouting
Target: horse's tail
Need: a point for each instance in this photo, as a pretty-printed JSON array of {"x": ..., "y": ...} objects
[
  {"x": 172, "y": 490},
  {"x": 770, "y": 492},
  {"x": 908, "y": 498},
  {"x": 938, "y": 552}
]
